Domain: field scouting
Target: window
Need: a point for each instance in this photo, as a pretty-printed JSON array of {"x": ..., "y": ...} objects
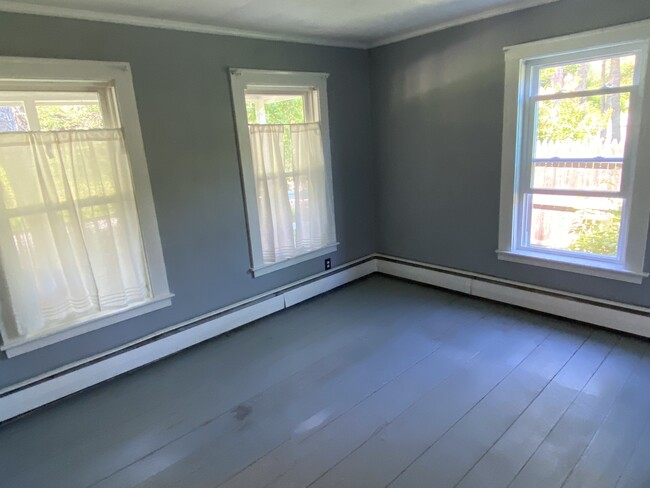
[
  {"x": 283, "y": 138},
  {"x": 74, "y": 195},
  {"x": 576, "y": 162}
]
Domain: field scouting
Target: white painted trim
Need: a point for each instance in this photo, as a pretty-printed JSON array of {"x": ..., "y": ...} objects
[
  {"x": 508, "y": 282},
  {"x": 429, "y": 276},
  {"x": 46, "y": 388},
  {"x": 206, "y": 316},
  {"x": 157, "y": 23},
  {"x": 278, "y": 77},
  {"x": 283, "y": 81},
  {"x": 24, "y": 345},
  {"x": 522, "y": 61},
  {"x": 574, "y": 265},
  {"x": 605, "y": 313},
  {"x": 58, "y": 387},
  {"x": 613, "y": 35},
  {"x": 56, "y": 384},
  {"x": 318, "y": 287},
  {"x": 301, "y": 258},
  {"x": 494, "y": 12}
]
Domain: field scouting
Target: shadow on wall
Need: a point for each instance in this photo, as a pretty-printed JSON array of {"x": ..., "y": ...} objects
[
  {"x": 431, "y": 69},
  {"x": 439, "y": 146}
]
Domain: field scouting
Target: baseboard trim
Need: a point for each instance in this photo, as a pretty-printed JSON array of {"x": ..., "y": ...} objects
[
  {"x": 44, "y": 389},
  {"x": 54, "y": 385},
  {"x": 613, "y": 315}
]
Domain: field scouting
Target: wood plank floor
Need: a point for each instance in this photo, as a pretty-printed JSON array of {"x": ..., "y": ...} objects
[{"x": 382, "y": 383}]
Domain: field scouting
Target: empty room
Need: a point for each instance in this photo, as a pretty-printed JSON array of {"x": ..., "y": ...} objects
[{"x": 324, "y": 244}]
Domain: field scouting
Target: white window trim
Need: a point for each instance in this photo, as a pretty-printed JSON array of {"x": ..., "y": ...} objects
[
  {"x": 119, "y": 75},
  {"x": 239, "y": 80},
  {"x": 634, "y": 240}
]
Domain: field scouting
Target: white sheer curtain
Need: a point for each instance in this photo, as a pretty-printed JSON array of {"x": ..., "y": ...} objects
[
  {"x": 70, "y": 236},
  {"x": 287, "y": 232},
  {"x": 272, "y": 191},
  {"x": 314, "y": 204}
]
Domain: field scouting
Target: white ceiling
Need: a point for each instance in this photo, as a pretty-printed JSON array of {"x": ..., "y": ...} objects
[{"x": 360, "y": 23}]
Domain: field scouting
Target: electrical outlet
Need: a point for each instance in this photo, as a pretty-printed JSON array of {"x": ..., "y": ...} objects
[{"x": 328, "y": 263}]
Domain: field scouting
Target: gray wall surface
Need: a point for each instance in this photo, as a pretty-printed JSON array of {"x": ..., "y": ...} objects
[
  {"x": 183, "y": 95},
  {"x": 416, "y": 152},
  {"x": 438, "y": 110}
]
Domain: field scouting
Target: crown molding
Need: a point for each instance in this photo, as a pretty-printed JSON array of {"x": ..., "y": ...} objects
[
  {"x": 13, "y": 6},
  {"x": 495, "y": 12},
  {"x": 156, "y": 23}
]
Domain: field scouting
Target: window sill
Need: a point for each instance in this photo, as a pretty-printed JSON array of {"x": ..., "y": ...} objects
[
  {"x": 20, "y": 346},
  {"x": 270, "y": 268},
  {"x": 574, "y": 265}
]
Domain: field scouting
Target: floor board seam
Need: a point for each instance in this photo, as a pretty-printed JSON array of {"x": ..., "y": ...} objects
[
  {"x": 470, "y": 410},
  {"x": 525, "y": 409},
  {"x": 593, "y": 435},
  {"x": 563, "y": 413}
]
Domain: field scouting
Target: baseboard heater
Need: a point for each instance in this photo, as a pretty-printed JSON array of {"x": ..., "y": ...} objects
[
  {"x": 54, "y": 385},
  {"x": 605, "y": 313}
]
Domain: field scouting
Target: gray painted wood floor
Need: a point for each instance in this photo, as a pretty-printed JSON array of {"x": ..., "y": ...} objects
[{"x": 381, "y": 383}]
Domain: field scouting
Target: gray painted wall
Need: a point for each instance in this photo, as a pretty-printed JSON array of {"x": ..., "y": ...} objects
[
  {"x": 438, "y": 108},
  {"x": 183, "y": 96},
  {"x": 416, "y": 161}
]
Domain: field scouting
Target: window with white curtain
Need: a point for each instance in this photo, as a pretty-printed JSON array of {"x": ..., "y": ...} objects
[
  {"x": 284, "y": 150},
  {"x": 74, "y": 194},
  {"x": 576, "y": 159}
]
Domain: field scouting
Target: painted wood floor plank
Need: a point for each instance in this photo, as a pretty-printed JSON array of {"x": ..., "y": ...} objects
[
  {"x": 134, "y": 436},
  {"x": 552, "y": 462},
  {"x": 184, "y": 405},
  {"x": 310, "y": 405},
  {"x": 380, "y": 381},
  {"x": 505, "y": 458},
  {"x": 322, "y": 397},
  {"x": 393, "y": 448},
  {"x": 452, "y": 455},
  {"x": 300, "y": 460},
  {"x": 606, "y": 456},
  {"x": 225, "y": 351},
  {"x": 637, "y": 470}
]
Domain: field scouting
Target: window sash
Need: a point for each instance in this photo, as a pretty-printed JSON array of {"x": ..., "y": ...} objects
[
  {"x": 104, "y": 91},
  {"x": 581, "y": 93},
  {"x": 310, "y": 98},
  {"x": 113, "y": 81},
  {"x": 584, "y": 46},
  {"x": 527, "y": 143},
  {"x": 524, "y": 189},
  {"x": 526, "y": 207},
  {"x": 314, "y": 87},
  {"x": 587, "y": 54}
]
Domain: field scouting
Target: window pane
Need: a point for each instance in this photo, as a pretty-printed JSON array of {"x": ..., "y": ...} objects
[
  {"x": 285, "y": 111},
  {"x": 582, "y": 127},
  {"x": 50, "y": 110},
  {"x": 69, "y": 115},
  {"x": 251, "y": 113},
  {"x": 583, "y": 175},
  {"x": 582, "y": 224},
  {"x": 275, "y": 108},
  {"x": 13, "y": 118},
  {"x": 589, "y": 75}
]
